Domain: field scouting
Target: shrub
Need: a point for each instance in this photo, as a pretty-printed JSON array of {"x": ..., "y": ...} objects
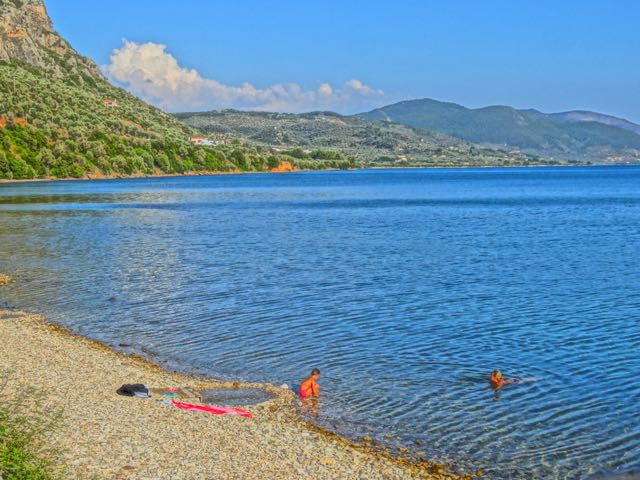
[{"x": 25, "y": 428}]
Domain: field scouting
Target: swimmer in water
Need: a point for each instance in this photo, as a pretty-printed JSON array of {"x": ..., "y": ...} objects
[
  {"x": 310, "y": 388},
  {"x": 498, "y": 381}
]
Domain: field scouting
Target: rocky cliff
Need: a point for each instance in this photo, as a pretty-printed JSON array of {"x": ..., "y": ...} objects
[{"x": 27, "y": 35}]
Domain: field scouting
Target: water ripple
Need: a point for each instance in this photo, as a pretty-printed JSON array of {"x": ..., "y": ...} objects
[{"x": 405, "y": 287}]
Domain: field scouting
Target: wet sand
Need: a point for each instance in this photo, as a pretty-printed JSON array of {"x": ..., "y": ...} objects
[{"x": 106, "y": 436}]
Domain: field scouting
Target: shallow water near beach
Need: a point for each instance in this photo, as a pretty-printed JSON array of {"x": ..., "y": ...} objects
[{"x": 405, "y": 287}]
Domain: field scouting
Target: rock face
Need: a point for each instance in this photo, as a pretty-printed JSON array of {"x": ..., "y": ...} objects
[{"x": 27, "y": 35}]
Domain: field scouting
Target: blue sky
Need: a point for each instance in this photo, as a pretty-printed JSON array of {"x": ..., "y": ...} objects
[{"x": 540, "y": 54}]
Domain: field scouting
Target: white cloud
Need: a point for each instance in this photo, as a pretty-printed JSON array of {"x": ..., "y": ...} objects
[{"x": 151, "y": 73}]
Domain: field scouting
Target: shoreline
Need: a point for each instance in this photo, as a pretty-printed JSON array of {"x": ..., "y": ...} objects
[
  {"x": 80, "y": 376},
  {"x": 215, "y": 173}
]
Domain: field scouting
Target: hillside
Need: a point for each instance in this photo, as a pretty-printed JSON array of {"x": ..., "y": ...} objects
[
  {"x": 54, "y": 121},
  {"x": 586, "y": 116},
  {"x": 371, "y": 143},
  {"x": 559, "y": 136}
]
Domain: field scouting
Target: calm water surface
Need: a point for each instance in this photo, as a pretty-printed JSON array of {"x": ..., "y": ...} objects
[{"x": 406, "y": 288}]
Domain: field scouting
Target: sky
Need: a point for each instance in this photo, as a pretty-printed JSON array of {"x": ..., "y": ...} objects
[{"x": 351, "y": 56}]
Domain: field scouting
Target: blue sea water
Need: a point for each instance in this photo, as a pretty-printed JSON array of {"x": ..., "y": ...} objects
[{"x": 405, "y": 287}]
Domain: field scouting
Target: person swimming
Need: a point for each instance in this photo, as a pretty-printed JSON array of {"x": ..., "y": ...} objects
[
  {"x": 497, "y": 380},
  {"x": 310, "y": 387}
]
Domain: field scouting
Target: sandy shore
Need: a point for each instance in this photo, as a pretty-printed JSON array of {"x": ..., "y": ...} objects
[{"x": 106, "y": 436}]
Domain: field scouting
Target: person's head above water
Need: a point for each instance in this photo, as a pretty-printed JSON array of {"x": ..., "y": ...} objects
[
  {"x": 315, "y": 372},
  {"x": 496, "y": 376}
]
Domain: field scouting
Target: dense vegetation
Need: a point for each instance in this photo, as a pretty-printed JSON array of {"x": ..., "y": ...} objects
[
  {"x": 59, "y": 127},
  {"x": 532, "y": 131},
  {"x": 371, "y": 143}
]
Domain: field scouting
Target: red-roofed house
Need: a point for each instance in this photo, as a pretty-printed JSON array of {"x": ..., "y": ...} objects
[{"x": 201, "y": 141}]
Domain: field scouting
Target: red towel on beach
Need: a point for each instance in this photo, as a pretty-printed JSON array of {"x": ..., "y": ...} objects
[{"x": 213, "y": 410}]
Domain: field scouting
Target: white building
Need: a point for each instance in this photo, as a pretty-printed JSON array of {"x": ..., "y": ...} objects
[{"x": 201, "y": 141}]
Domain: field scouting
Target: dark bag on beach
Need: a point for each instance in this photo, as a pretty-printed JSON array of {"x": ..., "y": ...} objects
[{"x": 129, "y": 390}]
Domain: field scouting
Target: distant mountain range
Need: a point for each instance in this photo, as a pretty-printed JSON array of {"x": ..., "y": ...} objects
[
  {"x": 575, "y": 135},
  {"x": 429, "y": 132},
  {"x": 371, "y": 143},
  {"x": 586, "y": 116}
]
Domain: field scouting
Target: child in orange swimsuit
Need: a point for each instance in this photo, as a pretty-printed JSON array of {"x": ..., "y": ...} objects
[
  {"x": 310, "y": 388},
  {"x": 497, "y": 380}
]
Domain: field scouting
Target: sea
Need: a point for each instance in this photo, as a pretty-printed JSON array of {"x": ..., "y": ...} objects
[{"x": 406, "y": 288}]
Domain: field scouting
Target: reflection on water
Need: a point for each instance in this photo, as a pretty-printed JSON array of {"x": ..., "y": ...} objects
[{"x": 406, "y": 288}]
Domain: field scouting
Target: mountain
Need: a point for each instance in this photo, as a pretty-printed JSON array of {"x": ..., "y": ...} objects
[
  {"x": 60, "y": 117},
  {"x": 27, "y": 35},
  {"x": 575, "y": 116},
  {"x": 569, "y": 136},
  {"x": 371, "y": 143}
]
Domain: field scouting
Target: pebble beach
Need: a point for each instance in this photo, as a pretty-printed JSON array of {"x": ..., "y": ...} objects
[{"x": 106, "y": 436}]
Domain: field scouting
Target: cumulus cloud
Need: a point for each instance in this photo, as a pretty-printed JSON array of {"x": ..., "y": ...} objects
[{"x": 150, "y": 72}]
